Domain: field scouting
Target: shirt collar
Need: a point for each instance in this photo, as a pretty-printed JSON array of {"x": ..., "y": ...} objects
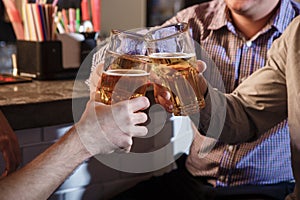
[{"x": 219, "y": 19}]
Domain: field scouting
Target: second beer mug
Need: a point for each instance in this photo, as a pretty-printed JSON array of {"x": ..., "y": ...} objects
[
  {"x": 126, "y": 69},
  {"x": 171, "y": 50}
]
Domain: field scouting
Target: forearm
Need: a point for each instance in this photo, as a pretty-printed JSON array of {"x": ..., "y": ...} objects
[
  {"x": 39, "y": 178},
  {"x": 249, "y": 110},
  {"x": 225, "y": 117}
]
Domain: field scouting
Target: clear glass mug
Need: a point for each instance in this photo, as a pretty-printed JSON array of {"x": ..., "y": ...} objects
[
  {"x": 174, "y": 67},
  {"x": 126, "y": 68}
]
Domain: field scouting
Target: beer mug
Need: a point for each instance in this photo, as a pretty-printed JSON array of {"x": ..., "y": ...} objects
[
  {"x": 171, "y": 51},
  {"x": 126, "y": 68}
]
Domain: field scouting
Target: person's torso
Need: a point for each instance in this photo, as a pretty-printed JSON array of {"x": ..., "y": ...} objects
[{"x": 258, "y": 162}]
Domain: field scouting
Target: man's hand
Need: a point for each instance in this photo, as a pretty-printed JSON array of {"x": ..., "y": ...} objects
[
  {"x": 9, "y": 147},
  {"x": 95, "y": 80},
  {"x": 163, "y": 96},
  {"x": 107, "y": 128}
]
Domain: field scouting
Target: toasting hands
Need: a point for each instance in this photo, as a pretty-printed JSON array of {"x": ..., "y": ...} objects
[
  {"x": 163, "y": 95},
  {"x": 115, "y": 125}
]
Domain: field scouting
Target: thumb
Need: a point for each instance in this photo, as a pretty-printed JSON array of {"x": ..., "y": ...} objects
[{"x": 201, "y": 66}]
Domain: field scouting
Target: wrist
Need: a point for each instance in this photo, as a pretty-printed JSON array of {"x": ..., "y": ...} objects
[{"x": 73, "y": 140}]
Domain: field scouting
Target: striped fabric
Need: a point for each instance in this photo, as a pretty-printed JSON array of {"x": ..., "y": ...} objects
[{"x": 266, "y": 160}]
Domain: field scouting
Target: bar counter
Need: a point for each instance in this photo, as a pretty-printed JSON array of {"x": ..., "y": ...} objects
[{"x": 41, "y": 103}]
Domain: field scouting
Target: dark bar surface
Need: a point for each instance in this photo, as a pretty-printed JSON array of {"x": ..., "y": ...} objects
[{"x": 42, "y": 103}]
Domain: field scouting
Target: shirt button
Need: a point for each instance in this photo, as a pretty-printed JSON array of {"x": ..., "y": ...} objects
[
  {"x": 230, "y": 148},
  {"x": 249, "y": 43},
  {"x": 222, "y": 178}
]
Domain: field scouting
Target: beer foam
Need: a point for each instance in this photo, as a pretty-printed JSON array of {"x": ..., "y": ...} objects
[
  {"x": 167, "y": 55},
  {"x": 126, "y": 72}
]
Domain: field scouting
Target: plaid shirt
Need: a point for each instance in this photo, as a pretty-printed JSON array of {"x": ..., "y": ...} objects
[{"x": 266, "y": 160}]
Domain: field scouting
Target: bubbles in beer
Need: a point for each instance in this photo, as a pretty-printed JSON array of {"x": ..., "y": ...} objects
[
  {"x": 178, "y": 74},
  {"x": 122, "y": 84}
]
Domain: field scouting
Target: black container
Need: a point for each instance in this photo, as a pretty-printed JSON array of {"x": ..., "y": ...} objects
[{"x": 44, "y": 60}]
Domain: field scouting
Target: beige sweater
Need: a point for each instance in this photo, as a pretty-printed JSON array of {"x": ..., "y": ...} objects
[{"x": 267, "y": 97}]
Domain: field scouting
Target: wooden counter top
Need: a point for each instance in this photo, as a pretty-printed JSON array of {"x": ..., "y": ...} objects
[{"x": 41, "y": 103}]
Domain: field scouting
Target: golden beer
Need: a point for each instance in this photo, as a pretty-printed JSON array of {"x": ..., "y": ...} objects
[
  {"x": 122, "y": 84},
  {"x": 177, "y": 73}
]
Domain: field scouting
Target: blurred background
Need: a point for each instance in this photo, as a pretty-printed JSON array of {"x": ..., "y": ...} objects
[{"x": 114, "y": 14}]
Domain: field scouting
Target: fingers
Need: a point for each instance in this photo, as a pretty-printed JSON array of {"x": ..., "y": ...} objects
[
  {"x": 99, "y": 68},
  {"x": 139, "y": 103},
  {"x": 134, "y": 116},
  {"x": 98, "y": 72},
  {"x": 95, "y": 78},
  {"x": 125, "y": 142},
  {"x": 139, "y": 131},
  {"x": 139, "y": 118},
  {"x": 124, "y": 150},
  {"x": 201, "y": 66},
  {"x": 121, "y": 122},
  {"x": 11, "y": 161},
  {"x": 162, "y": 91},
  {"x": 129, "y": 119},
  {"x": 127, "y": 150},
  {"x": 163, "y": 97}
]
